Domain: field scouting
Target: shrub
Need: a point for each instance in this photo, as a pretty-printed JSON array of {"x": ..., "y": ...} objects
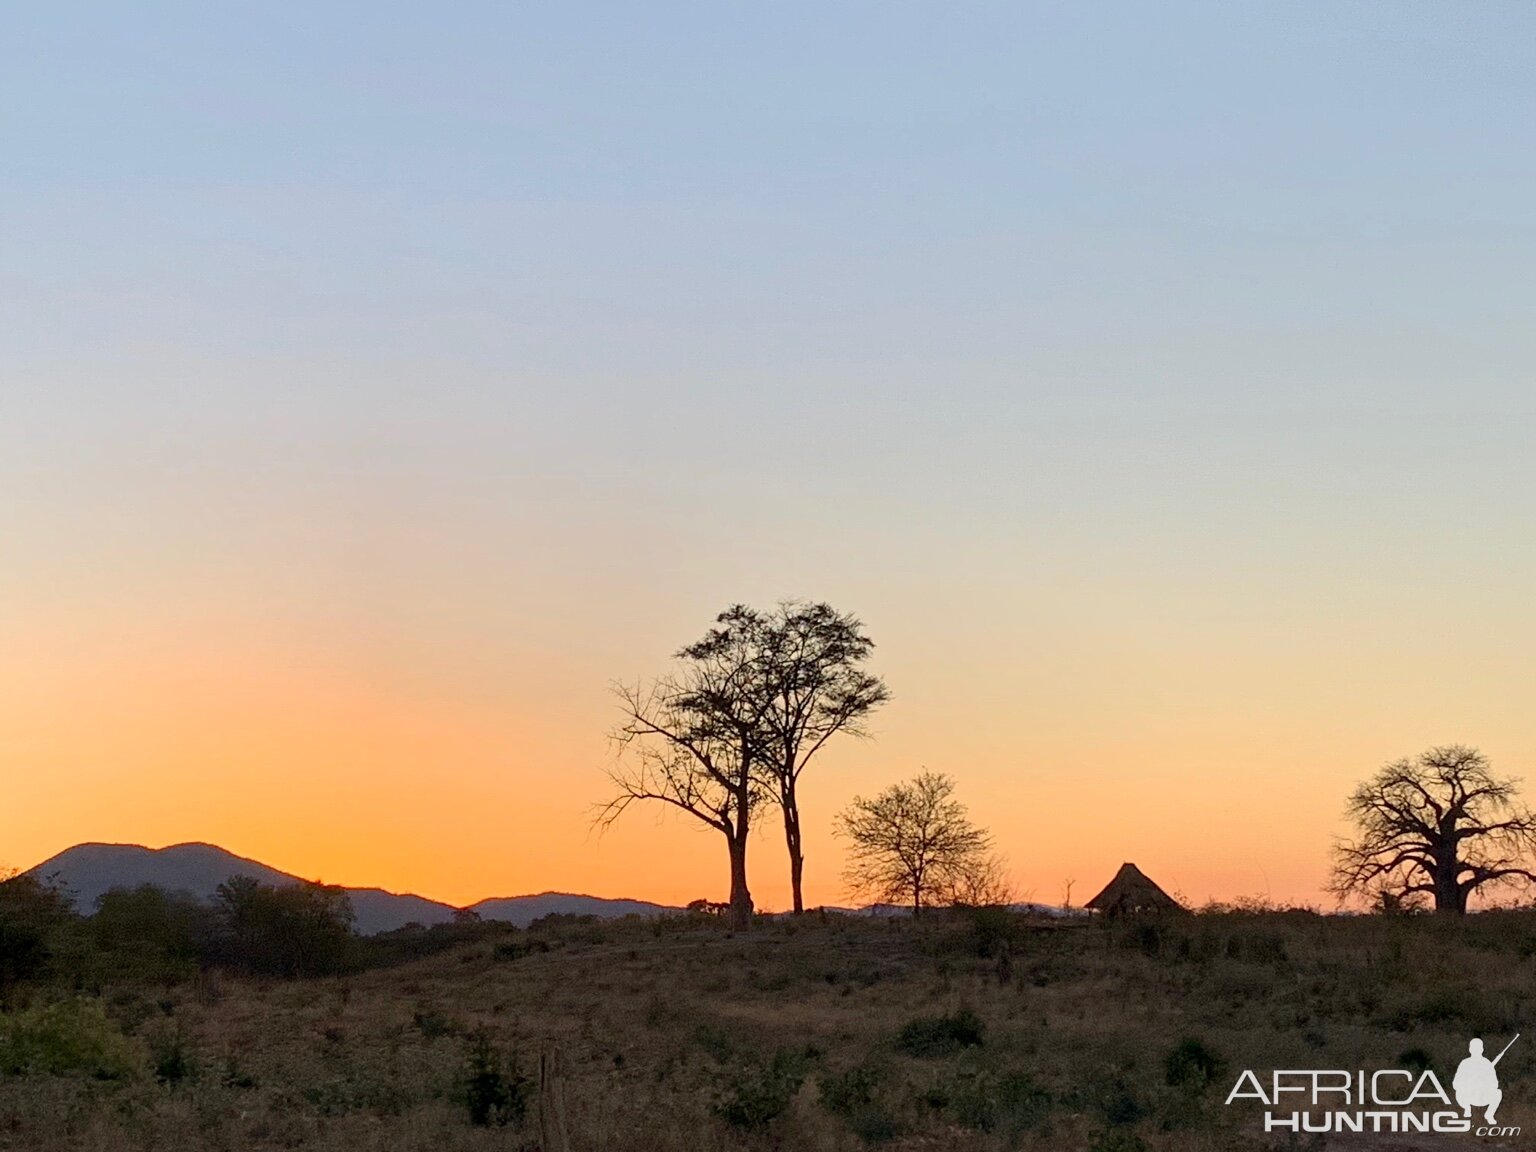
[
  {"x": 847, "y": 1092},
  {"x": 992, "y": 930},
  {"x": 1192, "y": 1065},
  {"x": 493, "y": 1090},
  {"x": 433, "y": 1025},
  {"x": 292, "y": 931},
  {"x": 23, "y": 953},
  {"x": 1121, "y": 1106},
  {"x": 1415, "y": 1060},
  {"x": 172, "y": 1058},
  {"x": 1258, "y": 947},
  {"x": 152, "y": 934},
  {"x": 1010, "y": 1105},
  {"x": 754, "y": 1095},
  {"x": 405, "y": 944},
  {"x": 931, "y": 1036},
  {"x": 874, "y": 1125},
  {"x": 1146, "y": 938},
  {"x": 31, "y": 911},
  {"x": 517, "y": 949},
  {"x": 70, "y": 1036}
]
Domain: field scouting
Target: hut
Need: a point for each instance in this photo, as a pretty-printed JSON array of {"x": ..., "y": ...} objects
[{"x": 1130, "y": 893}]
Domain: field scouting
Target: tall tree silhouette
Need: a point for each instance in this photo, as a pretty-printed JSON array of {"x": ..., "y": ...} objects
[
  {"x": 1440, "y": 825},
  {"x": 810, "y": 661},
  {"x": 691, "y": 739}
]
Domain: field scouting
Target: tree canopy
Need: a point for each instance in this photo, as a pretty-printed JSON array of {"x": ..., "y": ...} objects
[{"x": 1439, "y": 826}]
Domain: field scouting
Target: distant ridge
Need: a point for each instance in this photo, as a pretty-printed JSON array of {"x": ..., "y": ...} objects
[
  {"x": 89, "y": 871},
  {"x": 524, "y": 910}
]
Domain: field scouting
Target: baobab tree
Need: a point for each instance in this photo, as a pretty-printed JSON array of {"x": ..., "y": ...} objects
[
  {"x": 690, "y": 740},
  {"x": 810, "y": 669},
  {"x": 1440, "y": 825},
  {"x": 914, "y": 843}
]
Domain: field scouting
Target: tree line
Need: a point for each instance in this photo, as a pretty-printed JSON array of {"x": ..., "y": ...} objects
[
  {"x": 732, "y": 728},
  {"x": 288, "y": 931}
]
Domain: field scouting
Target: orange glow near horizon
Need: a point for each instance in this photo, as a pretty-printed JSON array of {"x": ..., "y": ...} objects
[{"x": 1222, "y": 777}]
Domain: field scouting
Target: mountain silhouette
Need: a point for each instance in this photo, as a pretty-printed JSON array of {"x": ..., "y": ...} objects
[
  {"x": 90, "y": 870},
  {"x": 524, "y": 910}
]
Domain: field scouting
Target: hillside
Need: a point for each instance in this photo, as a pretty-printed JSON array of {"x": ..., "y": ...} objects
[{"x": 947, "y": 1033}]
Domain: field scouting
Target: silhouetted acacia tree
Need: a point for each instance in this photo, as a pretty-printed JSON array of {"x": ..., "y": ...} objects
[
  {"x": 912, "y": 842},
  {"x": 1440, "y": 825},
  {"x": 691, "y": 740},
  {"x": 809, "y": 660}
]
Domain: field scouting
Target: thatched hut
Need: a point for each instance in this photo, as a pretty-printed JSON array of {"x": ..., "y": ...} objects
[{"x": 1132, "y": 893}]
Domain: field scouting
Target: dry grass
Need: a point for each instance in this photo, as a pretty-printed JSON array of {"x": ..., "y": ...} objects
[{"x": 662, "y": 1024}]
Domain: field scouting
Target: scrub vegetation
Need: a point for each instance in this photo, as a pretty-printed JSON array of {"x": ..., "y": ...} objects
[{"x": 965, "y": 1029}]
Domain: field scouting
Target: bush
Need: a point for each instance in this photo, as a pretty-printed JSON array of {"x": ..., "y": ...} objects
[
  {"x": 1415, "y": 1060},
  {"x": 433, "y": 1025},
  {"x": 31, "y": 912},
  {"x": 1121, "y": 1105},
  {"x": 931, "y": 1036},
  {"x": 754, "y": 1095},
  {"x": 874, "y": 1125},
  {"x": 151, "y": 933},
  {"x": 24, "y": 953},
  {"x": 493, "y": 1090},
  {"x": 172, "y": 1058},
  {"x": 1144, "y": 937},
  {"x": 70, "y": 1036},
  {"x": 1010, "y": 1105},
  {"x": 292, "y": 931},
  {"x": 517, "y": 949},
  {"x": 1192, "y": 1065},
  {"x": 1258, "y": 947},
  {"x": 405, "y": 944},
  {"x": 992, "y": 930},
  {"x": 847, "y": 1092}
]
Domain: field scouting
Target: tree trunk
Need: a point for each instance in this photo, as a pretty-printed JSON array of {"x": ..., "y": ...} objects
[
  {"x": 792, "y": 843},
  {"x": 1449, "y": 899},
  {"x": 741, "y": 898}
]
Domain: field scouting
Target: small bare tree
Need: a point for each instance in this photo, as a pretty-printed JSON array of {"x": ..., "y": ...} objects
[
  {"x": 912, "y": 843},
  {"x": 1440, "y": 825},
  {"x": 985, "y": 882},
  {"x": 690, "y": 740}
]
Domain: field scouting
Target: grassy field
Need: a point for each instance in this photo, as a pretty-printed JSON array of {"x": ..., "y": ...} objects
[{"x": 977, "y": 1030}]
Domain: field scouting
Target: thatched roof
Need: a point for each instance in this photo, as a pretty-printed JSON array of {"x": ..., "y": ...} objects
[{"x": 1130, "y": 892}]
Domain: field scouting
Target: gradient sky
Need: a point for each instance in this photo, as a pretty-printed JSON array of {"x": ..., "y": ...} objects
[{"x": 379, "y": 381}]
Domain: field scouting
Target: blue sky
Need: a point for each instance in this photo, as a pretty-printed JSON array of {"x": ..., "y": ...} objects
[{"x": 468, "y": 339}]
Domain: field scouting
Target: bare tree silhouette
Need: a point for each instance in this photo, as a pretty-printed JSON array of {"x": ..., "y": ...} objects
[
  {"x": 1440, "y": 825},
  {"x": 691, "y": 740},
  {"x": 811, "y": 661},
  {"x": 913, "y": 842}
]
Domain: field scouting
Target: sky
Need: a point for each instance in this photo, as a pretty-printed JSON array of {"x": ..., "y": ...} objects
[{"x": 380, "y": 382}]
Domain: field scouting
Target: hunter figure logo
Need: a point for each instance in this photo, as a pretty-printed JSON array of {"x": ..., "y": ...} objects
[
  {"x": 1477, "y": 1081},
  {"x": 1386, "y": 1100}
]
